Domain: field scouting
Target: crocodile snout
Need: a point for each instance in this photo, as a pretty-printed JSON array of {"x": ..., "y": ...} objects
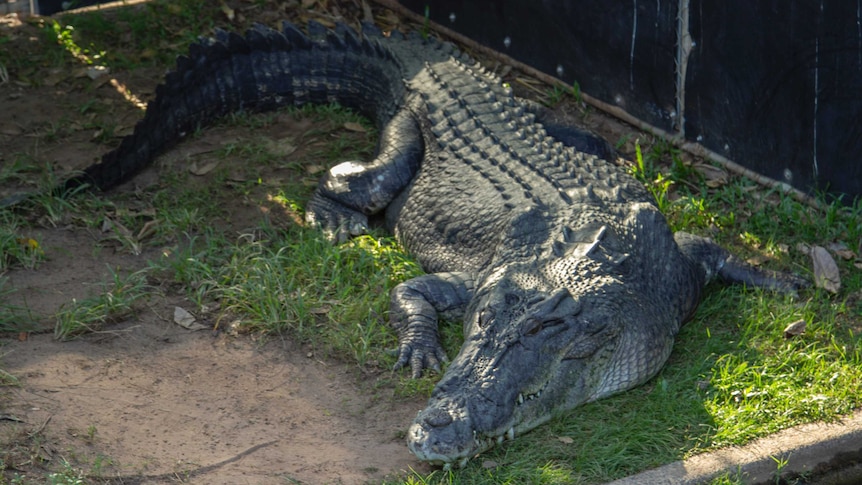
[{"x": 441, "y": 434}]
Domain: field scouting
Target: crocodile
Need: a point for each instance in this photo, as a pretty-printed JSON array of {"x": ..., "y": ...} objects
[{"x": 570, "y": 284}]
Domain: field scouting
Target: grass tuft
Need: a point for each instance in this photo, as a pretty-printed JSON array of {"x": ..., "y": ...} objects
[{"x": 114, "y": 304}]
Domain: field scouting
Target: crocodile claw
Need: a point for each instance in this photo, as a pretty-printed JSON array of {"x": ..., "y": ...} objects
[
  {"x": 420, "y": 357},
  {"x": 338, "y": 223}
]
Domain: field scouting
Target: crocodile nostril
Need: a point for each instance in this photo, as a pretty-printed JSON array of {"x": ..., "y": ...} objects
[{"x": 437, "y": 418}]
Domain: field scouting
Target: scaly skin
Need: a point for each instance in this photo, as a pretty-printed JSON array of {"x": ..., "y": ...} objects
[{"x": 569, "y": 282}]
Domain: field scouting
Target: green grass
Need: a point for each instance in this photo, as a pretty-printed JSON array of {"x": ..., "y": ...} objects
[
  {"x": 732, "y": 377},
  {"x": 14, "y": 317},
  {"x": 115, "y": 303}
]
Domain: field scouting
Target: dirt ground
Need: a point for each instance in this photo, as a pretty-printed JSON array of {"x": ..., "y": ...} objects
[
  {"x": 153, "y": 402},
  {"x": 146, "y": 401}
]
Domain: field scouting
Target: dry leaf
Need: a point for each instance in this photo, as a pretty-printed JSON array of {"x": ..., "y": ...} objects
[
  {"x": 353, "y": 126},
  {"x": 282, "y": 147},
  {"x": 367, "y": 14},
  {"x": 186, "y": 319},
  {"x": 825, "y": 270},
  {"x": 95, "y": 72},
  {"x": 713, "y": 176},
  {"x": 841, "y": 250},
  {"x": 794, "y": 329},
  {"x": 488, "y": 464},
  {"x": 803, "y": 248},
  {"x": 10, "y": 129},
  {"x": 565, "y": 439},
  {"x": 228, "y": 12},
  {"x": 148, "y": 230},
  {"x": 757, "y": 260},
  {"x": 313, "y": 169},
  {"x": 237, "y": 176},
  {"x": 210, "y": 307},
  {"x": 204, "y": 168}
]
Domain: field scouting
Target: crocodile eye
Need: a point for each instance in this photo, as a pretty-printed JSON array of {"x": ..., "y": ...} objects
[
  {"x": 485, "y": 317},
  {"x": 532, "y": 326}
]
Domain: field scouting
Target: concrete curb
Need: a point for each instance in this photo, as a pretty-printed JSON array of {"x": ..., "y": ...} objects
[{"x": 803, "y": 447}]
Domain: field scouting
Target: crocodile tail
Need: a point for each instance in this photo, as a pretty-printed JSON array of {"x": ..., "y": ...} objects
[{"x": 263, "y": 70}]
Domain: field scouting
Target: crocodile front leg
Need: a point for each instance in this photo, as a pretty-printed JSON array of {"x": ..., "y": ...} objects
[
  {"x": 414, "y": 308},
  {"x": 351, "y": 191}
]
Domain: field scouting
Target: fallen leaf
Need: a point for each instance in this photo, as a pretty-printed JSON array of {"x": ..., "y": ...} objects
[
  {"x": 281, "y": 147},
  {"x": 825, "y": 270},
  {"x": 10, "y": 129},
  {"x": 713, "y": 176},
  {"x": 148, "y": 230},
  {"x": 204, "y": 168},
  {"x": 186, "y": 319},
  {"x": 803, "y": 248},
  {"x": 29, "y": 243},
  {"x": 565, "y": 439},
  {"x": 795, "y": 329},
  {"x": 757, "y": 260},
  {"x": 353, "y": 126},
  {"x": 367, "y": 14},
  {"x": 488, "y": 464},
  {"x": 237, "y": 176},
  {"x": 95, "y": 72},
  {"x": 841, "y": 250},
  {"x": 321, "y": 310},
  {"x": 313, "y": 169},
  {"x": 210, "y": 307},
  {"x": 135, "y": 212},
  {"x": 228, "y": 12}
]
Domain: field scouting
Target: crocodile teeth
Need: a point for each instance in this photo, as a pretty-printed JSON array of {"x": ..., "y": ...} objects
[
  {"x": 500, "y": 439},
  {"x": 511, "y": 433},
  {"x": 520, "y": 398},
  {"x": 463, "y": 462}
]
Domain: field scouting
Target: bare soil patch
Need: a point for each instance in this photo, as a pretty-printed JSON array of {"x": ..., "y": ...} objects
[{"x": 147, "y": 401}]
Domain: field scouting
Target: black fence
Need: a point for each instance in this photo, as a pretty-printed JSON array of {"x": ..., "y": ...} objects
[{"x": 773, "y": 85}]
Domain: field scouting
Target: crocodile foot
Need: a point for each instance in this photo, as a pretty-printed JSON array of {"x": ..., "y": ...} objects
[
  {"x": 420, "y": 356},
  {"x": 338, "y": 223}
]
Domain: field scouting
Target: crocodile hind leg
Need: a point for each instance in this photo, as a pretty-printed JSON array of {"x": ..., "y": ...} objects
[
  {"x": 415, "y": 306},
  {"x": 351, "y": 191},
  {"x": 711, "y": 260}
]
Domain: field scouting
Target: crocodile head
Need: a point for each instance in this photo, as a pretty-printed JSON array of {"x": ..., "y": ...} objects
[{"x": 528, "y": 354}]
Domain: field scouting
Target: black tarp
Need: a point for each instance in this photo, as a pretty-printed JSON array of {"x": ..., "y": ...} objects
[{"x": 773, "y": 85}]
